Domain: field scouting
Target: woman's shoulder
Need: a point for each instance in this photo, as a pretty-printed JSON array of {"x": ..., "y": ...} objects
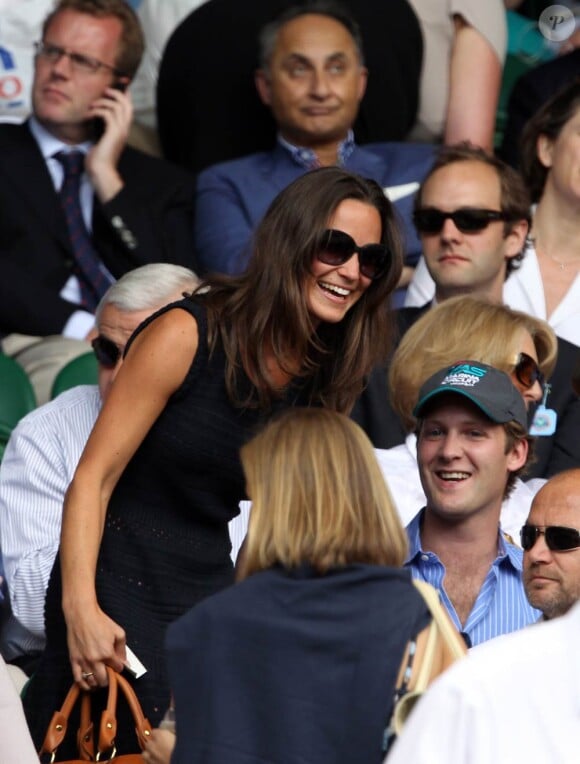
[{"x": 176, "y": 318}]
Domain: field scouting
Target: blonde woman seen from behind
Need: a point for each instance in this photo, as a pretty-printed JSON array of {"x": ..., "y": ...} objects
[{"x": 298, "y": 661}]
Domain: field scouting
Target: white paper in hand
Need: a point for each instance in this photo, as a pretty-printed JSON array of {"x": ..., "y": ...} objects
[{"x": 133, "y": 664}]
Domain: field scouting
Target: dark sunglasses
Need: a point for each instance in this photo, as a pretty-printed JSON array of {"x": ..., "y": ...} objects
[
  {"x": 106, "y": 351},
  {"x": 527, "y": 371},
  {"x": 558, "y": 538},
  {"x": 466, "y": 219},
  {"x": 337, "y": 247}
]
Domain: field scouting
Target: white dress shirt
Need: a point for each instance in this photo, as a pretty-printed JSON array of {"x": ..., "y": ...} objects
[
  {"x": 524, "y": 290},
  {"x": 81, "y": 321},
  {"x": 16, "y": 745}
]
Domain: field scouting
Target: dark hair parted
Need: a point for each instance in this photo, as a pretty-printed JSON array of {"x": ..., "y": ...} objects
[
  {"x": 548, "y": 121},
  {"x": 269, "y": 33},
  {"x": 515, "y": 200},
  {"x": 263, "y": 314},
  {"x": 132, "y": 42}
]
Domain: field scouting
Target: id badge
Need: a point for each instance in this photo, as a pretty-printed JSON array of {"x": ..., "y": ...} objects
[{"x": 545, "y": 419}]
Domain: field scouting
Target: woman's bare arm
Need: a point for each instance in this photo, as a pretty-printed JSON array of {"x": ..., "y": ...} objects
[
  {"x": 475, "y": 81},
  {"x": 154, "y": 368}
]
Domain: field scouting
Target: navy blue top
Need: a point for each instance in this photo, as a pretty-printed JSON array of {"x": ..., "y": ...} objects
[{"x": 291, "y": 667}]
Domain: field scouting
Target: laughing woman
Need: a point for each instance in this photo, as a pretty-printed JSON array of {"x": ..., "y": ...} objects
[{"x": 145, "y": 519}]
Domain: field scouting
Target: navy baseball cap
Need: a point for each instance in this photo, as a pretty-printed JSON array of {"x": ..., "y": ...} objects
[{"x": 490, "y": 389}]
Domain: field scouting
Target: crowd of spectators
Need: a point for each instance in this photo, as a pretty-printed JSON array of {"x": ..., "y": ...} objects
[{"x": 333, "y": 298}]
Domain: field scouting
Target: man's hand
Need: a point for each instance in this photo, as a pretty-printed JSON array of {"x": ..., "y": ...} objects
[
  {"x": 159, "y": 747},
  {"x": 116, "y": 111}
]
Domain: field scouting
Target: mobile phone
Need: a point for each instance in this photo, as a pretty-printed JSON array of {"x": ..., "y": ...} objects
[{"x": 98, "y": 123}]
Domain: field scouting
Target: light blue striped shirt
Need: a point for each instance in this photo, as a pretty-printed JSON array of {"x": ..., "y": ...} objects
[
  {"x": 308, "y": 159},
  {"x": 501, "y": 605},
  {"x": 38, "y": 465}
]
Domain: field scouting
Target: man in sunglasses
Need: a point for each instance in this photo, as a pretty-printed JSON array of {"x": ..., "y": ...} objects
[
  {"x": 472, "y": 215},
  {"x": 43, "y": 451},
  {"x": 312, "y": 76},
  {"x": 551, "y": 542},
  {"x": 79, "y": 207},
  {"x": 471, "y": 446}
]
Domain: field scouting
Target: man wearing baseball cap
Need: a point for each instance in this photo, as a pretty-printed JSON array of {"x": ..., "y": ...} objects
[{"x": 472, "y": 444}]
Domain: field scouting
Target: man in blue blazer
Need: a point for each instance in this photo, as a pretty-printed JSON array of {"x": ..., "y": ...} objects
[
  {"x": 313, "y": 78},
  {"x": 132, "y": 209}
]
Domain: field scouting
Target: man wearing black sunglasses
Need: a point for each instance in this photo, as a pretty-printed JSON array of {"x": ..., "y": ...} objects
[
  {"x": 43, "y": 451},
  {"x": 472, "y": 215},
  {"x": 551, "y": 542},
  {"x": 79, "y": 207}
]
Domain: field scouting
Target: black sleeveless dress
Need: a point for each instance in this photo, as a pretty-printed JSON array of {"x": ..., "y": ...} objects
[{"x": 165, "y": 543}]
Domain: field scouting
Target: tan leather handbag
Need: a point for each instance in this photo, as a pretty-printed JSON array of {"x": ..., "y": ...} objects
[
  {"x": 105, "y": 750},
  {"x": 431, "y": 652}
]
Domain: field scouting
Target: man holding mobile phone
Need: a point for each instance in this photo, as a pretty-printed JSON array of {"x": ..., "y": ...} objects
[{"x": 79, "y": 207}]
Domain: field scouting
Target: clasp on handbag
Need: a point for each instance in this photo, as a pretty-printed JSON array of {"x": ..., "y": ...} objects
[{"x": 111, "y": 757}]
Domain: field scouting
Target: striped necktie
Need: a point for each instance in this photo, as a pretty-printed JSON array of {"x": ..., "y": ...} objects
[{"x": 93, "y": 278}]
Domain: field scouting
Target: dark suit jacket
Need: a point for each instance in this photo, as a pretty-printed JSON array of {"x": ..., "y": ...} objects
[
  {"x": 373, "y": 410},
  {"x": 561, "y": 451},
  {"x": 150, "y": 220}
]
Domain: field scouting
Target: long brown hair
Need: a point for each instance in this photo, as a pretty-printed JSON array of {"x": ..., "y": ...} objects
[
  {"x": 265, "y": 309},
  {"x": 549, "y": 120}
]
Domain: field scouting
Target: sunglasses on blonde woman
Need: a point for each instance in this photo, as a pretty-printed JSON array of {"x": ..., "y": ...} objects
[
  {"x": 527, "y": 371},
  {"x": 337, "y": 247}
]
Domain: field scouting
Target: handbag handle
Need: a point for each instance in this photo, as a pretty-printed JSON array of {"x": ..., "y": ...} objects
[
  {"x": 58, "y": 725},
  {"x": 108, "y": 727},
  {"x": 454, "y": 644}
]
